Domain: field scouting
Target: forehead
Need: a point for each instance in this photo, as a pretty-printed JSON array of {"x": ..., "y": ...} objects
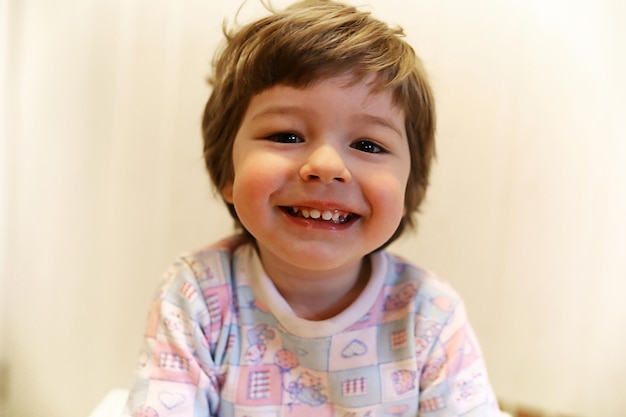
[
  {"x": 329, "y": 102},
  {"x": 358, "y": 92}
]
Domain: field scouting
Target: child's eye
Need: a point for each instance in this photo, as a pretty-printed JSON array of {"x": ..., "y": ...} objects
[
  {"x": 285, "y": 137},
  {"x": 367, "y": 146}
]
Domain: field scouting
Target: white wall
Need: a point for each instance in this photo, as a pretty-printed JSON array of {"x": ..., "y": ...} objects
[
  {"x": 3, "y": 171},
  {"x": 526, "y": 212},
  {"x": 103, "y": 184}
]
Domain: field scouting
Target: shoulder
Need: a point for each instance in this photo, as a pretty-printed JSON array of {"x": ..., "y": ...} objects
[
  {"x": 422, "y": 283},
  {"x": 213, "y": 262},
  {"x": 196, "y": 288},
  {"x": 430, "y": 301},
  {"x": 193, "y": 273}
]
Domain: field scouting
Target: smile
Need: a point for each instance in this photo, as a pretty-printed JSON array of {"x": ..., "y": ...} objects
[{"x": 334, "y": 216}]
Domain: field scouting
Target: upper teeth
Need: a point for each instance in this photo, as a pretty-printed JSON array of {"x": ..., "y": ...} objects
[{"x": 333, "y": 215}]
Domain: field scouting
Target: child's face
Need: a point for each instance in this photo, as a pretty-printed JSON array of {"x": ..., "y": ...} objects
[{"x": 320, "y": 174}]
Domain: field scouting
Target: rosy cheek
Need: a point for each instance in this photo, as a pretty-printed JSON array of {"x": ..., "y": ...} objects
[
  {"x": 389, "y": 193},
  {"x": 254, "y": 179},
  {"x": 253, "y": 187}
]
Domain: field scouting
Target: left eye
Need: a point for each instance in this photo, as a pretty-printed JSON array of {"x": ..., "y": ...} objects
[{"x": 367, "y": 146}]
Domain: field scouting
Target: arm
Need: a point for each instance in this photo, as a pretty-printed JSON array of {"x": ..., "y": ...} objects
[
  {"x": 453, "y": 378},
  {"x": 176, "y": 374}
]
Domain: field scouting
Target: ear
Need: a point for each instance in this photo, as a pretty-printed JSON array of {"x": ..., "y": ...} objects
[{"x": 227, "y": 192}]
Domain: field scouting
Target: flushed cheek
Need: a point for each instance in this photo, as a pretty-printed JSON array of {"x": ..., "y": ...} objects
[
  {"x": 260, "y": 166},
  {"x": 250, "y": 190},
  {"x": 387, "y": 199},
  {"x": 254, "y": 185}
]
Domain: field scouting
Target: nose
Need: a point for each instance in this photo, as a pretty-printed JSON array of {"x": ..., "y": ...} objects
[{"x": 325, "y": 164}]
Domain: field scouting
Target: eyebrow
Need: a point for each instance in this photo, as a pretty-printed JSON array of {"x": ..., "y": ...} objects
[
  {"x": 295, "y": 110},
  {"x": 381, "y": 121},
  {"x": 277, "y": 110}
]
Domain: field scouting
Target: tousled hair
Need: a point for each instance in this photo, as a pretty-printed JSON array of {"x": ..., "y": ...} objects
[{"x": 310, "y": 41}]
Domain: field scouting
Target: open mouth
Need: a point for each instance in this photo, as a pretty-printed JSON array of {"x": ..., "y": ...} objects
[{"x": 333, "y": 216}]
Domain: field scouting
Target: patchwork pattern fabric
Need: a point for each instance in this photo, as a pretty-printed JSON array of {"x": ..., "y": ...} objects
[
  {"x": 213, "y": 347},
  {"x": 258, "y": 384}
]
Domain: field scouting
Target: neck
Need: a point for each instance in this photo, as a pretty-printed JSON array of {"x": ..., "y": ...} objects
[{"x": 320, "y": 295}]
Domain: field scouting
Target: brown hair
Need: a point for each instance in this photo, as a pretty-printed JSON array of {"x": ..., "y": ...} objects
[{"x": 309, "y": 41}]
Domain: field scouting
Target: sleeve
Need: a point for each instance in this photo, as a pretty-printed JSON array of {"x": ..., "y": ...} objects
[
  {"x": 176, "y": 373},
  {"x": 453, "y": 378}
]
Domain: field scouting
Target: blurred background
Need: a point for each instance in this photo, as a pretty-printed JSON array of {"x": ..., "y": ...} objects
[{"x": 102, "y": 185}]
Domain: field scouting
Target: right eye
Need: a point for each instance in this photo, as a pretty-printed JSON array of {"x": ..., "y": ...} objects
[{"x": 285, "y": 137}]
